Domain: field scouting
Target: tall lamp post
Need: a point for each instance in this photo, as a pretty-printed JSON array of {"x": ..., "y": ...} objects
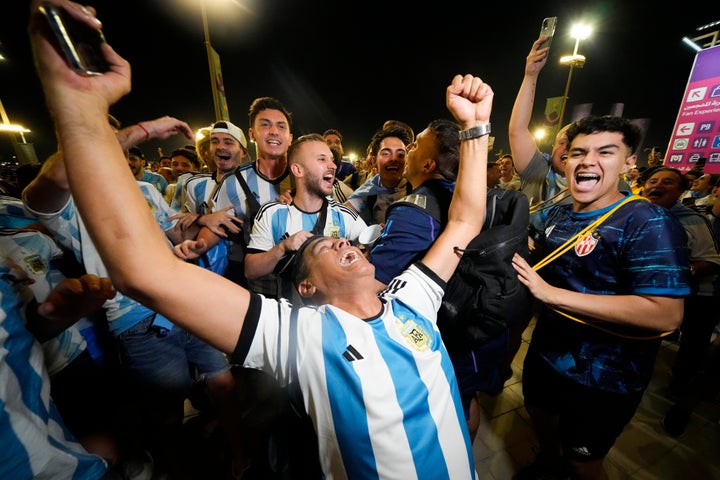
[
  {"x": 578, "y": 32},
  {"x": 209, "y": 50},
  {"x": 23, "y": 150}
]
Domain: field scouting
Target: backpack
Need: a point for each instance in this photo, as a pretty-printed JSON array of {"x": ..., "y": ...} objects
[{"x": 484, "y": 296}]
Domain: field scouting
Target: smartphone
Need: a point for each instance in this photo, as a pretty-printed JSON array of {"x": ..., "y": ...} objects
[
  {"x": 79, "y": 43},
  {"x": 547, "y": 29}
]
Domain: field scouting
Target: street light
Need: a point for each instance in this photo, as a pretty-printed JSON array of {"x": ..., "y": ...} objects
[
  {"x": 10, "y": 128},
  {"x": 578, "y": 32},
  {"x": 208, "y": 49},
  {"x": 216, "y": 80},
  {"x": 23, "y": 150},
  {"x": 706, "y": 40}
]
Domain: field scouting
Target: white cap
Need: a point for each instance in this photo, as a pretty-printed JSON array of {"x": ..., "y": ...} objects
[{"x": 232, "y": 130}]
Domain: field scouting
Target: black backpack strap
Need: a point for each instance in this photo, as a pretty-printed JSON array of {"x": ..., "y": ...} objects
[
  {"x": 253, "y": 204},
  {"x": 293, "y": 387},
  {"x": 285, "y": 265},
  {"x": 319, "y": 227}
]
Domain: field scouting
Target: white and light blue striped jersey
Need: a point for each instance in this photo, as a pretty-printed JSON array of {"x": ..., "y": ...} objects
[
  {"x": 35, "y": 442},
  {"x": 230, "y": 192},
  {"x": 69, "y": 230},
  {"x": 381, "y": 392},
  {"x": 196, "y": 191},
  {"x": 276, "y": 220},
  {"x": 33, "y": 251}
]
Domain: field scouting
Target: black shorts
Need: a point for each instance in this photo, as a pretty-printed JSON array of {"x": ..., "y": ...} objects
[
  {"x": 590, "y": 419},
  {"x": 478, "y": 369}
]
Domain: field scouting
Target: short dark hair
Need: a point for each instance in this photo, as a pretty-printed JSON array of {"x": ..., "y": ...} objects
[
  {"x": 187, "y": 153},
  {"x": 714, "y": 179},
  {"x": 403, "y": 125},
  {"x": 332, "y": 131},
  {"x": 631, "y": 133},
  {"x": 684, "y": 182},
  {"x": 137, "y": 152},
  {"x": 268, "y": 103},
  {"x": 300, "y": 270},
  {"x": 383, "y": 133},
  {"x": 647, "y": 173},
  {"x": 448, "y": 142},
  {"x": 309, "y": 137}
]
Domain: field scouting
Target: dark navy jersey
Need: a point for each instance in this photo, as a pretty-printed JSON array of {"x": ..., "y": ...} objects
[{"x": 639, "y": 250}]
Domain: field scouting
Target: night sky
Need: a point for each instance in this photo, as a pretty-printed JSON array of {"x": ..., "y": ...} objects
[{"x": 353, "y": 65}]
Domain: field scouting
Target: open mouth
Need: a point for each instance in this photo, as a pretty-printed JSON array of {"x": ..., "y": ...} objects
[
  {"x": 349, "y": 257},
  {"x": 587, "y": 180},
  {"x": 223, "y": 156}
]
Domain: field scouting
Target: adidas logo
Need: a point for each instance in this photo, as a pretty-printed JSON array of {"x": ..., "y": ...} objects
[{"x": 351, "y": 354}]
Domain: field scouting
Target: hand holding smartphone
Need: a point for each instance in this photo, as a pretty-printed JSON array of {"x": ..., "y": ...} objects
[
  {"x": 547, "y": 29},
  {"x": 79, "y": 43}
]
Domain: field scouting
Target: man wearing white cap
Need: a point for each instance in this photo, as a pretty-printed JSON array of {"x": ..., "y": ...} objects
[
  {"x": 228, "y": 148},
  {"x": 265, "y": 179}
]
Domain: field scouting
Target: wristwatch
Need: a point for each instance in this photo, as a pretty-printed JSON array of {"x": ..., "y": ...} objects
[{"x": 475, "y": 132}]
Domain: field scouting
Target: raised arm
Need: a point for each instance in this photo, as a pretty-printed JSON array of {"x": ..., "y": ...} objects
[
  {"x": 49, "y": 191},
  {"x": 469, "y": 99},
  {"x": 158, "y": 129},
  {"x": 522, "y": 142},
  {"x": 120, "y": 222}
]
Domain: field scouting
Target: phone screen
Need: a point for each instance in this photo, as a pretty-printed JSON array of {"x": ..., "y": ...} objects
[
  {"x": 79, "y": 43},
  {"x": 547, "y": 29}
]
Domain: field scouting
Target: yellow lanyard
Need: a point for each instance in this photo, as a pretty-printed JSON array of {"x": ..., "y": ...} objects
[
  {"x": 555, "y": 199},
  {"x": 570, "y": 243}
]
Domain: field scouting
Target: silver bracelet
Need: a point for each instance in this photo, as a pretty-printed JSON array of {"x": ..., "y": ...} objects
[{"x": 475, "y": 132}]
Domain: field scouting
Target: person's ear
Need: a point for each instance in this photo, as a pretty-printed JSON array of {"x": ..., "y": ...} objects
[
  {"x": 629, "y": 162},
  {"x": 295, "y": 169},
  {"x": 429, "y": 165},
  {"x": 306, "y": 289}
]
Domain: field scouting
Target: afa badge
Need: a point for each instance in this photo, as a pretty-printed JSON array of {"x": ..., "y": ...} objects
[{"x": 416, "y": 335}]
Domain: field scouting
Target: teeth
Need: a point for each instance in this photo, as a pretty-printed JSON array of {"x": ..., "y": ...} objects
[
  {"x": 349, "y": 258},
  {"x": 587, "y": 176}
]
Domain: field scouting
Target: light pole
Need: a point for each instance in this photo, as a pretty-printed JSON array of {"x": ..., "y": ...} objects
[
  {"x": 209, "y": 51},
  {"x": 23, "y": 150},
  {"x": 578, "y": 32}
]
